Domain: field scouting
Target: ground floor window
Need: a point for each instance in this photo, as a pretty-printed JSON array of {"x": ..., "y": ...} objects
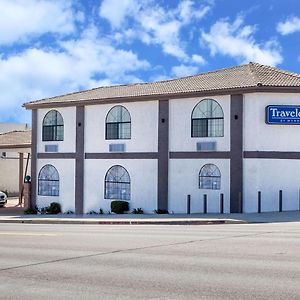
[
  {"x": 210, "y": 177},
  {"x": 48, "y": 181},
  {"x": 117, "y": 184}
]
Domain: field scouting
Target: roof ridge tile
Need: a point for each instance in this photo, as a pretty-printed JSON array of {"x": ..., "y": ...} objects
[{"x": 243, "y": 76}]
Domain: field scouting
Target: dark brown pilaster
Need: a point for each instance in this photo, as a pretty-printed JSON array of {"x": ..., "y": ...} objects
[
  {"x": 34, "y": 171},
  {"x": 21, "y": 176},
  {"x": 163, "y": 155},
  {"x": 236, "y": 159},
  {"x": 79, "y": 162}
]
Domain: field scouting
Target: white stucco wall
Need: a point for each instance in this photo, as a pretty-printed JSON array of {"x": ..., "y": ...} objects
[
  {"x": 143, "y": 176},
  {"x": 9, "y": 172},
  {"x": 180, "y": 124},
  {"x": 69, "y": 142},
  {"x": 259, "y": 136},
  {"x": 144, "y": 127},
  {"x": 184, "y": 180},
  {"x": 66, "y": 170},
  {"x": 269, "y": 176}
]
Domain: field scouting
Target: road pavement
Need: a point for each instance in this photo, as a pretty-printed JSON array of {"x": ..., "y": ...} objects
[{"x": 236, "y": 261}]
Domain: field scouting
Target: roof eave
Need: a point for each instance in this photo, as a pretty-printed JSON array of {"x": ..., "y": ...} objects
[
  {"x": 15, "y": 146},
  {"x": 150, "y": 97}
]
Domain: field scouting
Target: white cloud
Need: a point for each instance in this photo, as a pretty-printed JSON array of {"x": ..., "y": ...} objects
[
  {"x": 237, "y": 40},
  {"x": 184, "y": 70},
  {"x": 116, "y": 11},
  {"x": 187, "y": 11},
  {"x": 80, "y": 64},
  {"x": 198, "y": 59},
  {"x": 163, "y": 31},
  {"x": 291, "y": 25},
  {"x": 152, "y": 23},
  {"x": 22, "y": 19}
]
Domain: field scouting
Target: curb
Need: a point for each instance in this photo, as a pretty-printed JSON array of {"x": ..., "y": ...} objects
[{"x": 126, "y": 222}]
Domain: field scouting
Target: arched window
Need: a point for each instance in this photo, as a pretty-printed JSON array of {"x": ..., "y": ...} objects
[
  {"x": 117, "y": 184},
  {"x": 48, "y": 181},
  {"x": 210, "y": 177},
  {"x": 53, "y": 126},
  {"x": 207, "y": 119},
  {"x": 118, "y": 124}
]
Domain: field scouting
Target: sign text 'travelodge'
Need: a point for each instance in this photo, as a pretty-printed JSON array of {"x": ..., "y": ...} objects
[{"x": 283, "y": 114}]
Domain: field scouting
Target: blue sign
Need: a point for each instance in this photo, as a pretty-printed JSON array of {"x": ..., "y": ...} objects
[{"x": 283, "y": 114}]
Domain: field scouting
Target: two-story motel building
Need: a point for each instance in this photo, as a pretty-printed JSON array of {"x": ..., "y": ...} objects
[{"x": 153, "y": 144}]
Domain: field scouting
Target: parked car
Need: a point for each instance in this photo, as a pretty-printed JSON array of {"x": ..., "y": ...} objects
[{"x": 3, "y": 199}]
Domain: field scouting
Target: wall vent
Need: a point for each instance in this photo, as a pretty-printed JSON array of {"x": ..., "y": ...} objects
[
  {"x": 116, "y": 147},
  {"x": 206, "y": 146},
  {"x": 51, "y": 148}
]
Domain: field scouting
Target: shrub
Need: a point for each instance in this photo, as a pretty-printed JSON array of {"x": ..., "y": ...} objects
[
  {"x": 161, "y": 211},
  {"x": 53, "y": 209},
  {"x": 101, "y": 212},
  {"x": 138, "y": 211},
  {"x": 119, "y": 207},
  {"x": 31, "y": 211},
  {"x": 43, "y": 210},
  {"x": 69, "y": 212},
  {"x": 92, "y": 212}
]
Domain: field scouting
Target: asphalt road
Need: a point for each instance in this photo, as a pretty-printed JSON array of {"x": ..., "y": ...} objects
[{"x": 255, "y": 261}]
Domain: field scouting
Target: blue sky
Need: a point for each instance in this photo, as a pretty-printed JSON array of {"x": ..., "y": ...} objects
[{"x": 49, "y": 48}]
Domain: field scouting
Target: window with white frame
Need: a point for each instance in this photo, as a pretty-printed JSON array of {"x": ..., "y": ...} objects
[
  {"x": 210, "y": 177},
  {"x": 118, "y": 124},
  {"x": 207, "y": 119},
  {"x": 48, "y": 181},
  {"x": 117, "y": 184},
  {"x": 53, "y": 126}
]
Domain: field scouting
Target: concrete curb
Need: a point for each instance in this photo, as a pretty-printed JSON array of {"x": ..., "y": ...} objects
[{"x": 123, "y": 222}]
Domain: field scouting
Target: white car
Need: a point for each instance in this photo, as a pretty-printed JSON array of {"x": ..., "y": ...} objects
[{"x": 3, "y": 199}]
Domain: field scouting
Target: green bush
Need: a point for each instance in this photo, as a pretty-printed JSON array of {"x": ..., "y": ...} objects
[
  {"x": 138, "y": 211},
  {"x": 119, "y": 207},
  {"x": 101, "y": 212},
  {"x": 31, "y": 211},
  {"x": 161, "y": 211},
  {"x": 53, "y": 209},
  {"x": 43, "y": 210}
]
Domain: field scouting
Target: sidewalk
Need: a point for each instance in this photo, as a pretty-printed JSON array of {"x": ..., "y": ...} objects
[{"x": 153, "y": 219}]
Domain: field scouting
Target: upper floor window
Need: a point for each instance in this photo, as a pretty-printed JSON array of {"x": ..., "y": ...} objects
[
  {"x": 48, "y": 181},
  {"x": 207, "y": 119},
  {"x": 210, "y": 177},
  {"x": 117, "y": 184},
  {"x": 53, "y": 126},
  {"x": 118, "y": 124}
]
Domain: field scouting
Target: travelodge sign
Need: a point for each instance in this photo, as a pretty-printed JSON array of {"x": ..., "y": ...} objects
[{"x": 283, "y": 114}]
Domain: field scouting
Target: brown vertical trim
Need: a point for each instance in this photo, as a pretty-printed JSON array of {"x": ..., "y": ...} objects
[
  {"x": 163, "y": 155},
  {"x": 236, "y": 159},
  {"x": 21, "y": 176},
  {"x": 33, "y": 158},
  {"x": 79, "y": 162}
]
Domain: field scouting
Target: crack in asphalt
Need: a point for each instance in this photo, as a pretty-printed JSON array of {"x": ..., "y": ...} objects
[{"x": 131, "y": 249}]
